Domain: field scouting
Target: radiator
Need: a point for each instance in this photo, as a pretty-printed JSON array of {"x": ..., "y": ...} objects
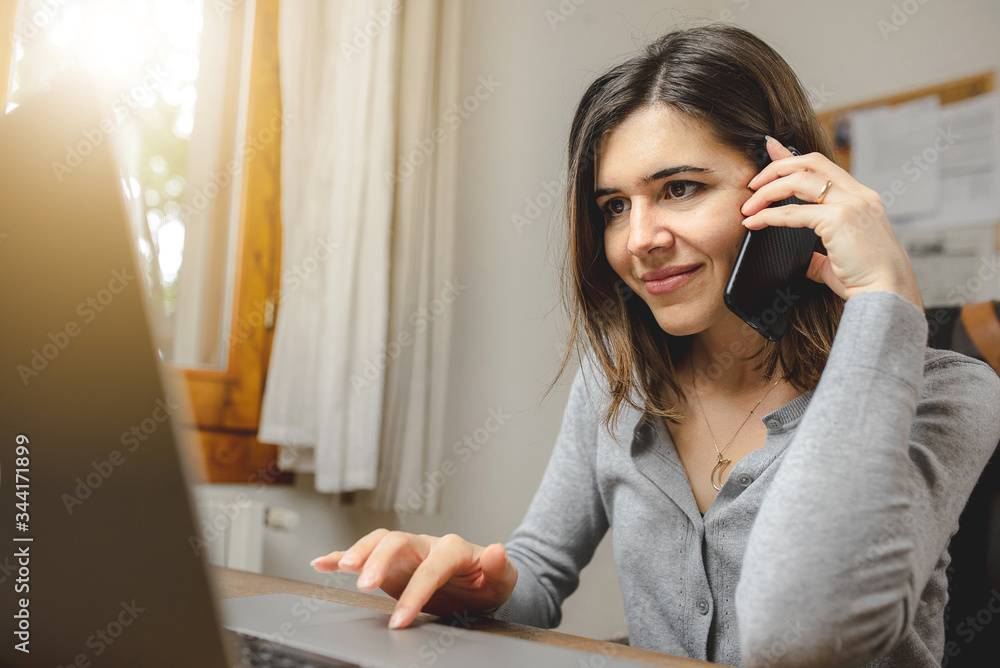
[{"x": 233, "y": 531}]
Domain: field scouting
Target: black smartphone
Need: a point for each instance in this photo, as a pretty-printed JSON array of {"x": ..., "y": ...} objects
[{"x": 770, "y": 272}]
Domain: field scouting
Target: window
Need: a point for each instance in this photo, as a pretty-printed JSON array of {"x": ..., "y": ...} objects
[
  {"x": 170, "y": 72},
  {"x": 196, "y": 103}
]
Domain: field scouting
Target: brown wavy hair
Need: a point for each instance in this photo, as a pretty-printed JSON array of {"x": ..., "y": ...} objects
[{"x": 740, "y": 89}]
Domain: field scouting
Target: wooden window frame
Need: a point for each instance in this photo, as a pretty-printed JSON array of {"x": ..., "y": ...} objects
[{"x": 226, "y": 405}]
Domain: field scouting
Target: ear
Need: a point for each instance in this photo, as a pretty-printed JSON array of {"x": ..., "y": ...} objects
[{"x": 759, "y": 155}]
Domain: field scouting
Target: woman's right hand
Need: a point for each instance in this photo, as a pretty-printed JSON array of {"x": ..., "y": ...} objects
[{"x": 441, "y": 576}]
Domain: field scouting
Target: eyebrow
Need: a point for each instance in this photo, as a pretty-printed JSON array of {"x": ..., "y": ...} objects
[{"x": 662, "y": 174}]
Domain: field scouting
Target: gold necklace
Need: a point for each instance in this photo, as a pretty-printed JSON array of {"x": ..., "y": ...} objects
[{"x": 721, "y": 464}]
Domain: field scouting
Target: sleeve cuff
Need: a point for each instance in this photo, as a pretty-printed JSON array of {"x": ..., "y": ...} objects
[{"x": 503, "y": 612}]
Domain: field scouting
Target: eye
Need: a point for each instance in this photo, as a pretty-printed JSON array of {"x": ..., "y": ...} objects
[
  {"x": 682, "y": 189},
  {"x": 615, "y": 208}
]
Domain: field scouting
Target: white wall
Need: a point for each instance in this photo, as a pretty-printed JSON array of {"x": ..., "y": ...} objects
[
  {"x": 862, "y": 49},
  {"x": 509, "y": 328}
]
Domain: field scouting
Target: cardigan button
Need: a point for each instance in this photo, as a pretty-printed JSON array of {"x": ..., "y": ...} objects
[
  {"x": 702, "y": 606},
  {"x": 744, "y": 479}
]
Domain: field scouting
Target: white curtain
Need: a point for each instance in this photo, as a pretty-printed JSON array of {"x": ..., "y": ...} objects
[
  {"x": 423, "y": 284},
  {"x": 355, "y": 387}
]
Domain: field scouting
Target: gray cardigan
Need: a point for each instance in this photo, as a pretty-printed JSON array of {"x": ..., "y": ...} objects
[{"x": 825, "y": 547}]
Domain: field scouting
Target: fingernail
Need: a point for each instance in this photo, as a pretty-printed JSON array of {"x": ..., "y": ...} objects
[
  {"x": 397, "y": 619},
  {"x": 365, "y": 581},
  {"x": 769, "y": 138},
  {"x": 746, "y": 220},
  {"x": 313, "y": 562},
  {"x": 348, "y": 560}
]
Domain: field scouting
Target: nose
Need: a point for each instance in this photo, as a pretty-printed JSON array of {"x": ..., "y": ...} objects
[{"x": 649, "y": 229}]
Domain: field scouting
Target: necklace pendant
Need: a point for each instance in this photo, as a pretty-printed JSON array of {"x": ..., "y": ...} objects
[{"x": 719, "y": 468}]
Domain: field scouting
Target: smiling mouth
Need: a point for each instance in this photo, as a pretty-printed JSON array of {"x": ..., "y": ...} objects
[{"x": 670, "y": 283}]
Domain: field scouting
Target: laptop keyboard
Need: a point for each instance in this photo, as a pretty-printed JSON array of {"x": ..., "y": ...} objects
[{"x": 252, "y": 652}]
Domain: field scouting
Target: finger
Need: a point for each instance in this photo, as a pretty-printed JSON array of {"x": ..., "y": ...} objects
[
  {"x": 499, "y": 572},
  {"x": 804, "y": 185},
  {"x": 790, "y": 215},
  {"x": 353, "y": 558},
  {"x": 816, "y": 163},
  {"x": 775, "y": 149},
  {"x": 327, "y": 563},
  {"x": 446, "y": 558},
  {"x": 396, "y": 548},
  {"x": 821, "y": 271}
]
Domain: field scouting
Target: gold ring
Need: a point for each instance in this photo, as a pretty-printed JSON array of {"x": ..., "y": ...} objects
[{"x": 823, "y": 192}]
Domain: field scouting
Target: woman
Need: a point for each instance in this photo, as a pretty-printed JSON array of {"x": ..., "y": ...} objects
[{"x": 815, "y": 534}]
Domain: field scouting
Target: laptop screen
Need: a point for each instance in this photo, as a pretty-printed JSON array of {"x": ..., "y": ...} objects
[{"x": 96, "y": 563}]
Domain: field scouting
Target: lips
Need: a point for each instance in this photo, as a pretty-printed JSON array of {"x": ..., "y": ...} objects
[
  {"x": 666, "y": 272},
  {"x": 668, "y": 279}
]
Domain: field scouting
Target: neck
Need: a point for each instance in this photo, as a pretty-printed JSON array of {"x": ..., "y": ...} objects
[{"x": 714, "y": 355}]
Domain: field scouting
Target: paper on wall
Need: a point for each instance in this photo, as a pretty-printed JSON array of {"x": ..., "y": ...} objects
[
  {"x": 954, "y": 265},
  {"x": 970, "y": 165},
  {"x": 889, "y": 151}
]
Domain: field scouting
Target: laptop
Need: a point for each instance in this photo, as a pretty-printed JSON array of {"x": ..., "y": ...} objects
[{"x": 96, "y": 564}]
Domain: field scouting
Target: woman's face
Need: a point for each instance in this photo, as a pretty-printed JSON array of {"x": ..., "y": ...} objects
[{"x": 671, "y": 197}]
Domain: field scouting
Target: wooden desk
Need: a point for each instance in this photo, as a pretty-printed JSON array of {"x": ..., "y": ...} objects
[{"x": 232, "y": 583}]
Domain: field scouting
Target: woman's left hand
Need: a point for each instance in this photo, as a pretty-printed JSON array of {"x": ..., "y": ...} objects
[{"x": 864, "y": 253}]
